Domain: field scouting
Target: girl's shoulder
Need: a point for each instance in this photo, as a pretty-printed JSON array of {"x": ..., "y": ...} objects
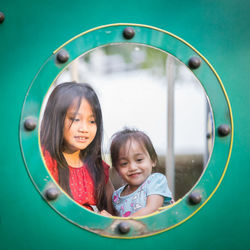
[
  {"x": 106, "y": 170},
  {"x": 51, "y": 163},
  {"x": 105, "y": 165},
  {"x": 118, "y": 191},
  {"x": 157, "y": 184},
  {"x": 156, "y": 177}
]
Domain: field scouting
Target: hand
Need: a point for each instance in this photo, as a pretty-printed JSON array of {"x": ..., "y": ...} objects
[{"x": 105, "y": 213}]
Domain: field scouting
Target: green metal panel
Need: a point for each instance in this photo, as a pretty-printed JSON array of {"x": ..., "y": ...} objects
[
  {"x": 30, "y": 33},
  {"x": 215, "y": 170}
]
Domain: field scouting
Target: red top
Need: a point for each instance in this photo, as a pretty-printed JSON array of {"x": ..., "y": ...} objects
[{"x": 80, "y": 182}]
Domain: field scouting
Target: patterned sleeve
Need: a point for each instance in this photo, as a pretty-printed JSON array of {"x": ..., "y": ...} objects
[
  {"x": 51, "y": 165},
  {"x": 157, "y": 184}
]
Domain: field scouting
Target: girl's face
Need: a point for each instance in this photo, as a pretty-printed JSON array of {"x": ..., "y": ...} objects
[
  {"x": 134, "y": 164},
  {"x": 79, "y": 127}
]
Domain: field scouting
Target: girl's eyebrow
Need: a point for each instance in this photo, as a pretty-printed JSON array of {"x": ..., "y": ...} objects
[
  {"x": 73, "y": 113},
  {"x": 122, "y": 158},
  {"x": 77, "y": 113},
  {"x": 125, "y": 158},
  {"x": 138, "y": 154}
]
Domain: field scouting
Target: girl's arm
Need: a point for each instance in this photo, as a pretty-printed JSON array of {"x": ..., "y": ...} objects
[
  {"x": 154, "y": 201},
  {"x": 109, "y": 191}
]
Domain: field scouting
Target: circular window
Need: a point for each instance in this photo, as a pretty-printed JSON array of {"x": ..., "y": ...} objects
[{"x": 148, "y": 79}]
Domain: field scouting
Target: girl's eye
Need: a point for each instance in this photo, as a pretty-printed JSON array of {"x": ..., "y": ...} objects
[
  {"x": 92, "y": 121},
  {"x": 123, "y": 164},
  {"x": 139, "y": 160},
  {"x": 75, "y": 119}
]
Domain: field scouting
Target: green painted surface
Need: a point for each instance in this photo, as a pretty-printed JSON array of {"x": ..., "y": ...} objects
[
  {"x": 111, "y": 34},
  {"x": 32, "y": 30}
]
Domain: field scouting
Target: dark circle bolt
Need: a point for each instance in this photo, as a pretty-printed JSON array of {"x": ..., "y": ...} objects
[
  {"x": 224, "y": 130},
  {"x": 194, "y": 198},
  {"x": 194, "y": 62},
  {"x": 2, "y": 17},
  {"x": 51, "y": 193},
  {"x": 128, "y": 33},
  {"x": 209, "y": 135},
  {"x": 30, "y": 124},
  {"x": 123, "y": 227},
  {"x": 62, "y": 56}
]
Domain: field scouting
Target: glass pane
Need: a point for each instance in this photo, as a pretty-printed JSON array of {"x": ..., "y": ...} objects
[{"x": 148, "y": 89}]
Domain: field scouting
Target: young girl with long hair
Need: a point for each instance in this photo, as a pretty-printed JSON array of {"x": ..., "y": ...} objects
[
  {"x": 71, "y": 138},
  {"x": 134, "y": 157}
]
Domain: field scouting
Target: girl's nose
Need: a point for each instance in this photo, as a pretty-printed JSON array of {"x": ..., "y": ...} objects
[
  {"x": 83, "y": 127},
  {"x": 132, "y": 166}
]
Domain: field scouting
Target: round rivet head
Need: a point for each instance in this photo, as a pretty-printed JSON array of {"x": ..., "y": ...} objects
[
  {"x": 62, "y": 56},
  {"x": 194, "y": 62},
  {"x": 128, "y": 33},
  {"x": 2, "y": 17},
  {"x": 224, "y": 130},
  {"x": 123, "y": 227},
  {"x": 194, "y": 198},
  {"x": 51, "y": 193},
  {"x": 30, "y": 124}
]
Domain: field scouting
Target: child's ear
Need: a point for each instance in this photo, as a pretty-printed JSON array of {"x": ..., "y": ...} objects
[{"x": 154, "y": 164}]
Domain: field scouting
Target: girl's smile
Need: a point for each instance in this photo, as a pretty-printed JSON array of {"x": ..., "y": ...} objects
[
  {"x": 79, "y": 127},
  {"x": 81, "y": 138}
]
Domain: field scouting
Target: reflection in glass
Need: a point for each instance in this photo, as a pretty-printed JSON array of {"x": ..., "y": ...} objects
[{"x": 145, "y": 88}]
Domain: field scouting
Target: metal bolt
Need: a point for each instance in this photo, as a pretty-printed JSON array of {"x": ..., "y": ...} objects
[
  {"x": 194, "y": 198},
  {"x": 62, "y": 56},
  {"x": 2, "y": 17},
  {"x": 30, "y": 124},
  {"x": 128, "y": 33},
  {"x": 124, "y": 227},
  {"x": 209, "y": 135},
  {"x": 224, "y": 130},
  {"x": 194, "y": 62},
  {"x": 51, "y": 193}
]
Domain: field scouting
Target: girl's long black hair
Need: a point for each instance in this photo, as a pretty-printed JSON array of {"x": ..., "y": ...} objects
[{"x": 61, "y": 98}]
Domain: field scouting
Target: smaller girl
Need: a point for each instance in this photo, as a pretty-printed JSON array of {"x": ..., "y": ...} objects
[
  {"x": 134, "y": 157},
  {"x": 71, "y": 138}
]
